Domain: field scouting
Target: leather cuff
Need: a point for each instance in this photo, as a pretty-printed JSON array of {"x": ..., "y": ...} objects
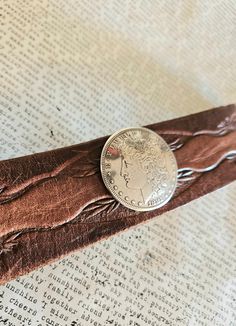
[{"x": 55, "y": 202}]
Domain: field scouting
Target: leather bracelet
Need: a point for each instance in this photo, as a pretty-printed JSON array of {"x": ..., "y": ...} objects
[{"x": 55, "y": 202}]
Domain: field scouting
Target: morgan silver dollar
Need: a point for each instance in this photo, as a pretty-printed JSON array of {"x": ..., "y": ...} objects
[{"x": 139, "y": 168}]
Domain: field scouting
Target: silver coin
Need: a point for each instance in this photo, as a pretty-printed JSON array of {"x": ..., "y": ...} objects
[{"x": 139, "y": 168}]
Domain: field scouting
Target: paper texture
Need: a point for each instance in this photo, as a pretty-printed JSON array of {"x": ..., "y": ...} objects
[{"x": 71, "y": 71}]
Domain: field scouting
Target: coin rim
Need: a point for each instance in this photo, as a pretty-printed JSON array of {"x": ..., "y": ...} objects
[{"x": 124, "y": 203}]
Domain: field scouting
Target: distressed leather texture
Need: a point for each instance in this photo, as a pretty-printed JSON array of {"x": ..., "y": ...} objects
[{"x": 54, "y": 203}]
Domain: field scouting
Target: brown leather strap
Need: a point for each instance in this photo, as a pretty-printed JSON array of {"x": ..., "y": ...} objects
[{"x": 55, "y": 202}]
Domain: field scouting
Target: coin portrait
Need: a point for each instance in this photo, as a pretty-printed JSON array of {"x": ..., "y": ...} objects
[{"x": 138, "y": 168}]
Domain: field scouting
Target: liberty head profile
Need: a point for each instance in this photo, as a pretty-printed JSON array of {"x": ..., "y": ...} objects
[{"x": 143, "y": 166}]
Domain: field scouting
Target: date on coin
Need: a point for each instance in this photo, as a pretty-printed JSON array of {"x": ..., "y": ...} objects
[{"x": 139, "y": 168}]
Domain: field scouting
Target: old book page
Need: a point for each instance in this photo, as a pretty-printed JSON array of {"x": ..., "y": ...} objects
[{"x": 71, "y": 71}]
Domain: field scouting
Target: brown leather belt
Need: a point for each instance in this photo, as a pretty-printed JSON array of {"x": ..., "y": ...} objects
[{"x": 55, "y": 202}]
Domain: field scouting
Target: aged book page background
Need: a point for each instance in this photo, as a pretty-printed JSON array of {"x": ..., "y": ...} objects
[{"x": 71, "y": 71}]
